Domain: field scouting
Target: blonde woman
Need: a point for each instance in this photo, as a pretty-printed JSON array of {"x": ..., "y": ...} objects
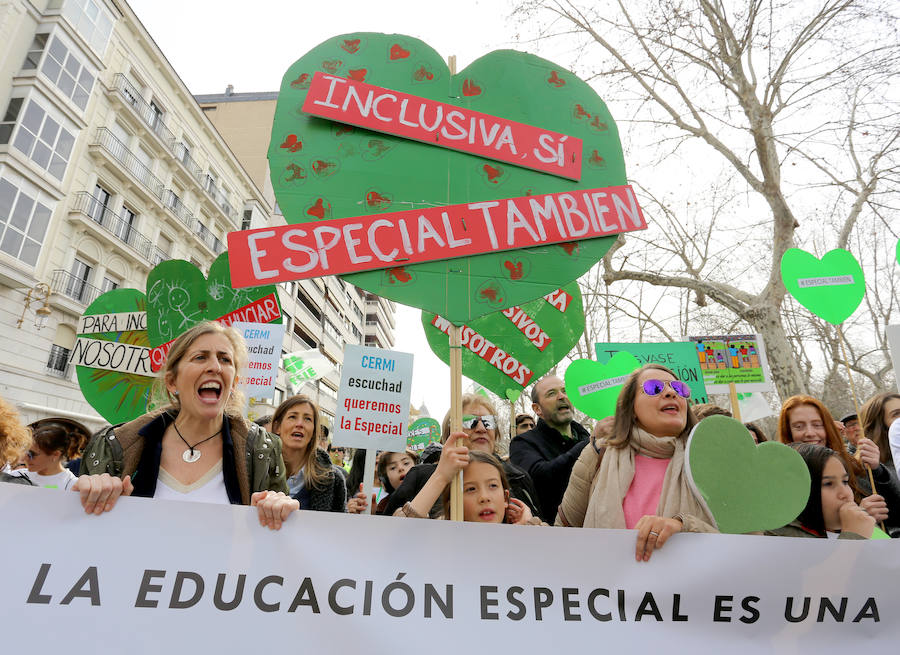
[
  {"x": 199, "y": 447},
  {"x": 15, "y": 440}
]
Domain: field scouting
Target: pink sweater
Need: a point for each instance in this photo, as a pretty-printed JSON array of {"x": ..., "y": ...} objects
[{"x": 643, "y": 495}]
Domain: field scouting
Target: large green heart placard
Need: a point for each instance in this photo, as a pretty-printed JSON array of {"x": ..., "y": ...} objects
[
  {"x": 535, "y": 335},
  {"x": 747, "y": 488},
  {"x": 831, "y": 287},
  {"x": 117, "y": 396},
  {"x": 322, "y": 170},
  {"x": 594, "y": 388},
  {"x": 179, "y": 297}
]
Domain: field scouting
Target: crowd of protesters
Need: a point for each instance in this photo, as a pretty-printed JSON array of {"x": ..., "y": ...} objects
[{"x": 628, "y": 472}]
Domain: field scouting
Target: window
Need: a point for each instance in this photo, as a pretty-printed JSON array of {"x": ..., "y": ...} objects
[
  {"x": 9, "y": 119},
  {"x": 68, "y": 73},
  {"x": 125, "y": 227},
  {"x": 210, "y": 182},
  {"x": 248, "y": 217},
  {"x": 23, "y": 223},
  {"x": 35, "y": 51},
  {"x": 77, "y": 283},
  {"x": 44, "y": 141},
  {"x": 91, "y": 21},
  {"x": 165, "y": 245},
  {"x": 110, "y": 283},
  {"x": 58, "y": 361},
  {"x": 156, "y": 115},
  {"x": 99, "y": 204}
]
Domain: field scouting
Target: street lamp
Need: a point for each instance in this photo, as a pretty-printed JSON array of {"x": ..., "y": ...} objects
[{"x": 40, "y": 291}]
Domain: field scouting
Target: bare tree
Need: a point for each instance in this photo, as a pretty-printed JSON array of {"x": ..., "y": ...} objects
[{"x": 789, "y": 108}]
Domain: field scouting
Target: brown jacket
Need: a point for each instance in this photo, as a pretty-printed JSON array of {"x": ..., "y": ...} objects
[{"x": 117, "y": 450}]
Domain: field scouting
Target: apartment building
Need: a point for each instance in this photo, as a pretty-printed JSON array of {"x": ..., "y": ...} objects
[
  {"x": 107, "y": 167},
  {"x": 323, "y": 313}
]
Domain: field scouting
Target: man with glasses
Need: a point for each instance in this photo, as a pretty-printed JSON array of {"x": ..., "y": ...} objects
[{"x": 549, "y": 451}]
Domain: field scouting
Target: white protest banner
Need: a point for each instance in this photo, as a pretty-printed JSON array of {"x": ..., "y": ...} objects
[
  {"x": 373, "y": 399},
  {"x": 264, "y": 347},
  {"x": 111, "y": 356},
  {"x": 201, "y": 578},
  {"x": 893, "y": 335}
]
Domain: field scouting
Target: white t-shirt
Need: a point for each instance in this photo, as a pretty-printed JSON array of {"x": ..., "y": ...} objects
[
  {"x": 208, "y": 489},
  {"x": 62, "y": 480}
]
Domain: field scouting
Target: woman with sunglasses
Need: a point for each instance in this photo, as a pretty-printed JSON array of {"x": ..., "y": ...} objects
[
  {"x": 424, "y": 484},
  {"x": 633, "y": 477}
]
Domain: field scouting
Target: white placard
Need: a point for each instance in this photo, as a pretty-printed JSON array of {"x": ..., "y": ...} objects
[
  {"x": 226, "y": 584},
  {"x": 111, "y": 356},
  {"x": 264, "y": 347},
  {"x": 733, "y": 358},
  {"x": 373, "y": 399},
  {"x": 121, "y": 322},
  {"x": 893, "y": 336}
]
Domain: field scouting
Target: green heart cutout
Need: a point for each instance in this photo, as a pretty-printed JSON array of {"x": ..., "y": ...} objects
[
  {"x": 179, "y": 297},
  {"x": 562, "y": 328},
  {"x": 582, "y": 373},
  {"x": 118, "y": 397},
  {"x": 512, "y": 395},
  {"x": 421, "y": 432},
  {"x": 747, "y": 488},
  {"x": 379, "y": 172},
  {"x": 831, "y": 302}
]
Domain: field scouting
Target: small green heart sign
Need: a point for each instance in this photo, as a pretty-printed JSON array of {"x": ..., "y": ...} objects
[
  {"x": 508, "y": 350},
  {"x": 421, "y": 432},
  {"x": 831, "y": 287},
  {"x": 748, "y": 488},
  {"x": 594, "y": 388}
]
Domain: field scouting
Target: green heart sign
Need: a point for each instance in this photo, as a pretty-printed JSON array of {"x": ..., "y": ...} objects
[
  {"x": 421, "y": 432},
  {"x": 508, "y": 350},
  {"x": 747, "y": 488},
  {"x": 116, "y": 316},
  {"x": 594, "y": 388},
  {"x": 179, "y": 297},
  {"x": 321, "y": 169},
  {"x": 831, "y": 287}
]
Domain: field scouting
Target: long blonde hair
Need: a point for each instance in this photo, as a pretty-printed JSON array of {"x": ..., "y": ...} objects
[
  {"x": 15, "y": 438},
  {"x": 161, "y": 398}
]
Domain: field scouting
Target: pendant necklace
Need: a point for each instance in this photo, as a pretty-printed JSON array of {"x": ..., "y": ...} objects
[{"x": 190, "y": 455}]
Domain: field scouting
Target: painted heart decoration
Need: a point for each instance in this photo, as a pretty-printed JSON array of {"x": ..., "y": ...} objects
[
  {"x": 748, "y": 488},
  {"x": 117, "y": 396},
  {"x": 179, "y": 297},
  {"x": 321, "y": 169},
  {"x": 594, "y": 388},
  {"x": 515, "y": 347},
  {"x": 831, "y": 287}
]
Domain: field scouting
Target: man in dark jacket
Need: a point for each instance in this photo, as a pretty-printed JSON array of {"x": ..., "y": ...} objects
[{"x": 548, "y": 451}]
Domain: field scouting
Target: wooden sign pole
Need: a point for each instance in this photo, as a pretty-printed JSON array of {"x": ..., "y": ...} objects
[
  {"x": 735, "y": 405},
  {"x": 456, "y": 510}
]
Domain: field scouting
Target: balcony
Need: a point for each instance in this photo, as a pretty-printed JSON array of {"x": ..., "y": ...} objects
[
  {"x": 58, "y": 361},
  {"x": 217, "y": 196},
  {"x": 112, "y": 223},
  {"x": 175, "y": 205},
  {"x": 120, "y": 153},
  {"x": 183, "y": 154},
  {"x": 66, "y": 284},
  {"x": 144, "y": 110},
  {"x": 158, "y": 256},
  {"x": 209, "y": 239}
]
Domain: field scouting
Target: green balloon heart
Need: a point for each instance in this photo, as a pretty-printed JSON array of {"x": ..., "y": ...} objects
[
  {"x": 179, "y": 297},
  {"x": 117, "y": 396},
  {"x": 831, "y": 287},
  {"x": 505, "y": 351},
  {"x": 321, "y": 170},
  {"x": 594, "y": 388},
  {"x": 748, "y": 488}
]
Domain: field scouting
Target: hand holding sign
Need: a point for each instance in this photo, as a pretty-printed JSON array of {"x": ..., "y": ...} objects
[
  {"x": 594, "y": 388},
  {"x": 831, "y": 287},
  {"x": 747, "y": 488}
]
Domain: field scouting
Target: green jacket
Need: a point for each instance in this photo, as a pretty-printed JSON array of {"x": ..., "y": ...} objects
[{"x": 117, "y": 450}]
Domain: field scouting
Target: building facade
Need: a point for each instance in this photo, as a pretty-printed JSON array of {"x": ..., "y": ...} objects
[{"x": 107, "y": 167}]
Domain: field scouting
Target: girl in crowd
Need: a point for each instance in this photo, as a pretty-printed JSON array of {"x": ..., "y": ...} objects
[
  {"x": 311, "y": 479},
  {"x": 15, "y": 440},
  {"x": 877, "y": 415},
  {"x": 805, "y": 419},
  {"x": 199, "y": 447},
  {"x": 392, "y": 469},
  {"x": 480, "y": 428},
  {"x": 632, "y": 474},
  {"x": 830, "y": 510},
  {"x": 486, "y": 493},
  {"x": 55, "y": 441}
]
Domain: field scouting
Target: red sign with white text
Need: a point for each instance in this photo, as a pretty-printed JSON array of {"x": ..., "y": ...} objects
[
  {"x": 441, "y": 124},
  {"x": 365, "y": 243}
]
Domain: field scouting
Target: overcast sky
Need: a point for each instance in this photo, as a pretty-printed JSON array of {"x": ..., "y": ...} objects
[{"x": 214, "y": 44}]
